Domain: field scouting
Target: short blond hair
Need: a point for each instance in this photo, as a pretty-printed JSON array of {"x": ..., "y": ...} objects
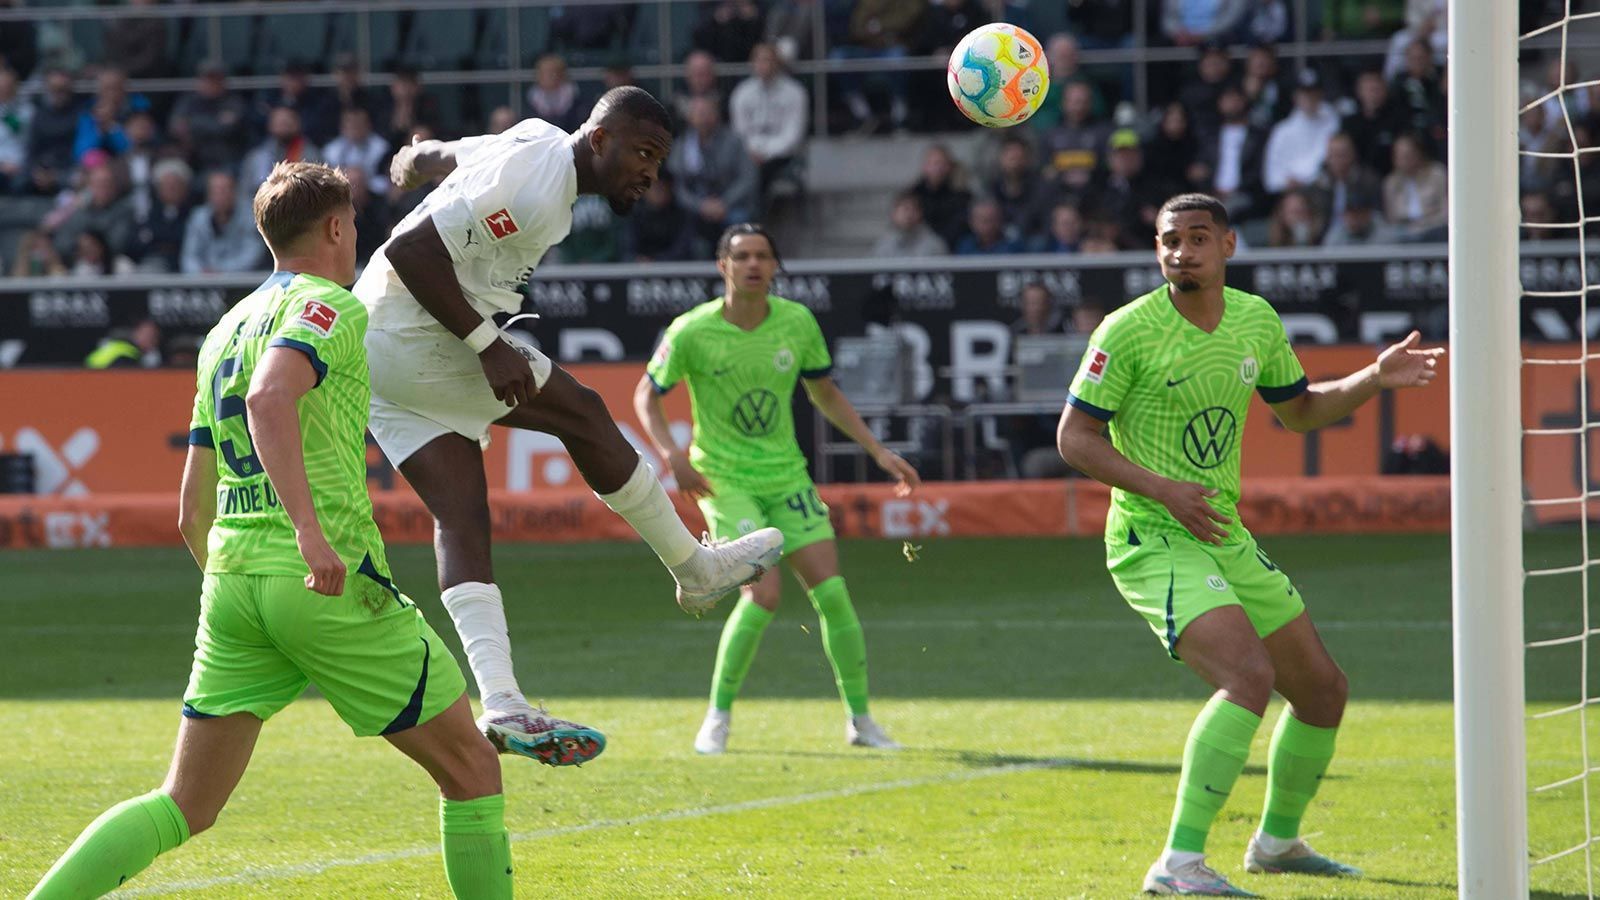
[{"x": 295, "y": 198}]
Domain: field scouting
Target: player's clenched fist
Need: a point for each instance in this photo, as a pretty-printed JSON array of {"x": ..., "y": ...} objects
[
  {"x": 508, "y": 373},
  {"x": 1189, "y": 504},
  {"x": 327, "y": 569}
]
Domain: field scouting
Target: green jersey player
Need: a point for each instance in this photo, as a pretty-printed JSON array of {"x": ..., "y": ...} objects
[
  {"x": 296, "y": 588},
  {"x": 1172, "y": 373},
  {"x": 742, "y": 355}
]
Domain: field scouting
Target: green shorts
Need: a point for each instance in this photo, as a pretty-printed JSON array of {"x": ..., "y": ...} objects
[
  {"x": 1172, "y": 579},
  {"x": 263, "y": 638},
  {"x": 796, "y": 511}
]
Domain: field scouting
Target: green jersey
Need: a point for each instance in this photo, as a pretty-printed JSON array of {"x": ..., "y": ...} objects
[
  {"x": 741, "y": 384},
  {"x": 1176, "y": 397},
  {"x": 252, "y": 534}
]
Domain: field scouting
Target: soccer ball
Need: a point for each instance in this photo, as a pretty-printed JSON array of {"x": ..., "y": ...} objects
[{"x": 998, "y": 75}]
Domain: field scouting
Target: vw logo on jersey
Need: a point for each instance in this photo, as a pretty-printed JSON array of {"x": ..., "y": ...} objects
[
  {"x": 783, "y": 361},
  {"x": 756, "y": 412},
  {"x": 1209, "y": 436},
  {"x": 1248, "y": 370}
]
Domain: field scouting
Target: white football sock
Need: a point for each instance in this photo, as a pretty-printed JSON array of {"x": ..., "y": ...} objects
[
  {"x": 480, "y": 616},
  {"x": 1274, "y": 846},
  {"x": 644, "y": 503},
  {"x": 1173, "y": 859}
]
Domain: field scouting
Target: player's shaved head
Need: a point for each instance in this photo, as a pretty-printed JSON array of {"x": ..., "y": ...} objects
[{"x": 627, "y": 105}]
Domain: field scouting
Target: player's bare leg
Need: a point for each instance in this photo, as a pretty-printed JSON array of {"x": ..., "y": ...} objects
[
  {"x": 207, "y": 763},
  {"x": 816, "y": 566},
  {"x": 1302, "y": 747},
  {"x": 447, "y": 473},
  {"x": 578, "y": 417}
]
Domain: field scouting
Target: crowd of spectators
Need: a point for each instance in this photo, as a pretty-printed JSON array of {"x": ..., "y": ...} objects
[{"x": 1319, "y": 152}]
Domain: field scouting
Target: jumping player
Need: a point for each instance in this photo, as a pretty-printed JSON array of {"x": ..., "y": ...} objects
[
  {"x": 442, "y": 373},
  {"x": 1172, "y": 373},
  {"x": 296, "y": 591},
  {"x": 742, "y": 355}
]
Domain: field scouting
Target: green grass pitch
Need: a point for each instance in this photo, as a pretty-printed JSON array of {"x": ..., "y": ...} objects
[{"x": 1043, "y": 726}]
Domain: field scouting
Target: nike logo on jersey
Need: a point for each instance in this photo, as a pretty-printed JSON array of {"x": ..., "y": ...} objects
[
  {"x": 1212, "y": 790},
  {"x": 720, "y": 372},
  {"x": 1175, "y": 382}
]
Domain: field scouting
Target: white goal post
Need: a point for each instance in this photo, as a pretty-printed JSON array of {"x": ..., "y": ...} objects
[{"x": 1485, "y": 444}]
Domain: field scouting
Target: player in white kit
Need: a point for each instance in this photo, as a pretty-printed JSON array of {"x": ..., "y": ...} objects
[{"x": 442, "y": 372}]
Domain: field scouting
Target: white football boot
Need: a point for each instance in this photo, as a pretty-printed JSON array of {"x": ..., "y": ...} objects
[
  {"x": 862, "y": 731},
  {"x": 722, "y": 567},
  {"x": 534, "y": 733},
  {"x": 713, "y": 736}
]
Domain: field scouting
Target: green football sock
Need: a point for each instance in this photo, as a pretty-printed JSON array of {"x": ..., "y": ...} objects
[
  {"x": 115, "y": 847},
  {"x": 740, "y": 638},
  {"x": 1299, "y": 755},
  {"x": 1219, "y": 744},
  {"x": 843, "y": 641},
  {"x": 477, "y": 850}
]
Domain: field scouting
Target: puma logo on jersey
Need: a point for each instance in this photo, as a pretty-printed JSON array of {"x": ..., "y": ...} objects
[
  {"x": 319, "y": 317},
  {"x": 500, "y": 223}
]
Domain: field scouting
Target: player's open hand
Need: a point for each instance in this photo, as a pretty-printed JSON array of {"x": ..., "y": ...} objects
[
  {"x": 1403, "y": 365},
  {"x": 691, "y": 483},
  {"x": 1189, "y": 503},
  {"x": 508, "y": 373},
  {"x": 905, "y": 474},
  {"x": 327, "y": 569},
  {"x": 403, "y": 169}
]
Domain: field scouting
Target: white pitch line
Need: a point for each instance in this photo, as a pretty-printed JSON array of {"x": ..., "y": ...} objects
[{"x": 270, "y": 873}]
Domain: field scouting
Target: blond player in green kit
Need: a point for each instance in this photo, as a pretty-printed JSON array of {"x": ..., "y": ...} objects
[
  {"x": 296, "y": 590},
  {"x": 1172, "y": 373},
  {"x": 742, "y": 355}
]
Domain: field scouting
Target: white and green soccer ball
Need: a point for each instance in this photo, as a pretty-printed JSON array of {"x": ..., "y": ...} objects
[{"x": 998, "y": 75}]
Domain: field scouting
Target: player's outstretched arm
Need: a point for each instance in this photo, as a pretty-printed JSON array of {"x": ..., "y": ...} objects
[
  {"x": 1402, "y": 365},
  {"x": 647, "y": 406},
  {"x": 421, "y": 161},
  {"x": 197, "y": 500},
  {"x": 280, "y": 380},
  {"x": 832, "y": 403},
  {"x": 1081, "y": 440}
]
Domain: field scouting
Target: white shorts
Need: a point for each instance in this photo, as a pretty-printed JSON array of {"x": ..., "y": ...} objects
[{"x": 426, "y": 382}]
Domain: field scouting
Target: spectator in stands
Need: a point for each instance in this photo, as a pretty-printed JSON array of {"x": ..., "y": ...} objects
[
  {"x": 211, "y": 123},
  {"x": 879, "y": 29},
  {"x": 101, "y": 124},
  {"x": 908, "y": 236},
  {"x": 700, "y": 80},
  {"x": 942, "y": 189},
  {"x": 221, "y": 236},
  {"x": 36, "y": 257},
  {"x": 1356, "y": 19},
  {"x": 985, "y": 231},
  {"x": 128, "y": 348},
  {"x": 55, "y": 124},
  {"x": 137, "y": 45},
  {"x": 1567, "y": 187},
  {"x": 158, "y": 232},
  {"x": 284, "y": 143},
  {"x": 1557, "y": 81},
  {"x": 1074, "y": 146},
  {"x": 1086, "y": 317},
  {"x": 1341, "y": 173},
  {"x": 617, "y": 74},
  {"x": 319, "y": 115},
  {"x": 1538, "y": 210},
  {"x": 1213, "y": 72},
  {"x": 1419, "y": 94},
  {"x": 1023, "y": 196},
  {"x": 1172, "y": 150},
  {"x": 1375, "y": 124},
  {"x": 1061, "y": 49},
  {"x": 139, "y": 160},
  {"x": 1125, "y": 192},
  {"x": 1361, "y": 223},
  {"x": 1425, "y": 22},
  {"x": 402, "y": 202},
  {"x": 348, "y": 92},
  {"x": 659, "y": 230},
  {"x": 410, "y": 106},
  {"x": 729, "y": 30},
  {"x": 1065, "y": 234},
  {"x": 1265, "y": 91},
  {"x": 373, "y": 219},
  {"x": 716, "y": 181},
  {"x": 358, "y": 149},
  {"x": 1295, "y": 222},
  {"x": 102, "y": 206},
  {"x": 596, "y": 235},
  {"x": 1298, "y": 144},
  {"x": 19, "y": 45},
  {"x": 91, "y": 258},
  {"x": 1040, "y": 312},
  {"x": 1414, "y": 199},
  {"x": 769, "y": 113},
  {"x": 1190, "y": 22},
  {"x": 553, "y": 96},
  {"x": 500, "y": 119},
  {"x": 15, "y": 117},
  {"x": 1268, "y": 22},
  {"x": 790, "y": 29}
]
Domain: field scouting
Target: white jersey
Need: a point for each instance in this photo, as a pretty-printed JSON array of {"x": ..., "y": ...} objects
[{"x": 508, "y": 201}]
